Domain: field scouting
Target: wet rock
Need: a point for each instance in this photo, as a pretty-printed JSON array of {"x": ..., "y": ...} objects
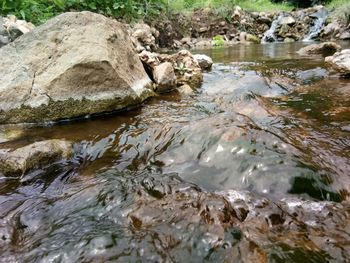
[
  {"x": 47, "y": 76},
  {"x": 326, "y": 48},
  {"x": 22, "y": 160},
  {"x": 164, "y": 77},
  {"x": 284, "y": 30},
  {"x": 205, "y": 62},
  {"x": 340, "y": 62}
]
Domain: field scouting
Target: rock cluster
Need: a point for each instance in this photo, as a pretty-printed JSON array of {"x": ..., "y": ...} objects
[
  {"x": 340, "y": 62},
  {"x": 335, "y": 30},
  {"x": 176, "y": 70},
  {"x": 11, "y": 28},
  {"x": 243, "y": 27}
]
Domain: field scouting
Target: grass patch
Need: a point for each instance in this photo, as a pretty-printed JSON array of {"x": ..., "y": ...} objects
[{"x": 252, "y": 5}]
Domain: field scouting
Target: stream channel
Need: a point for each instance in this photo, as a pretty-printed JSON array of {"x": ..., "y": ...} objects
[{"x": 254, "y": 166}]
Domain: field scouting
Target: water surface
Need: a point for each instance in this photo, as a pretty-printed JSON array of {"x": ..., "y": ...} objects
[{"x": 253, "y": 166}]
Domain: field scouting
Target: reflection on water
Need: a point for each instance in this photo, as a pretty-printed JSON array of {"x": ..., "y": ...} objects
[{"x": 253, "y": 167}]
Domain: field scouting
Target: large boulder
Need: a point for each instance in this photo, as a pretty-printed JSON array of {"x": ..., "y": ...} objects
[
  {"x": 340, "y": 62},
  {"x": 77, "y": 64},
  {"x": 326, "y": 48},
  {"x": 22, "y": 160}
]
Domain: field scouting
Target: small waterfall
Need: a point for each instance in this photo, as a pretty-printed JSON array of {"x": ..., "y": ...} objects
[
  {"x": 269, "y": 35},
  {"x": 320, "y": 19}
]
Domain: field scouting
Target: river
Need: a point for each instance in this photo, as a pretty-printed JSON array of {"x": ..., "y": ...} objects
[{"x": 252, "y": 167}]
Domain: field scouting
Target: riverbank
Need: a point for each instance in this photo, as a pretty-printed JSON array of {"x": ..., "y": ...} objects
[{"x": 209, "y": 27}]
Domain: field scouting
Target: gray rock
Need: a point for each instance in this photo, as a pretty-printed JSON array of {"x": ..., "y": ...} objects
[
  {"x": 265, "y": 20},
  {"x": 340, "y": 62},
  {"x": 186, "y": 40},
  {"x": 204, "y": 61},
  {"x": 16, "y": 27},
  {"x": 203, "y": 44},
  {"x": 243, "y": 36},
  {"x": 22, "y": 160},
  {"x": 287, "y": 20},
  {"x": 203, "y": 29},
  {"x": 187, "y": 69},
  {"x": 2, "y": 28},
  {"x": 185, "y": 90},
  {"x": 62, "y": 70},
  {"x": 4, "y": 40},
  {"x": 330, "y": 30},
  {"x": 327, "y": 48},
  {"x": 345, "y": 35},
  {"x": 289, "y": 40},
  {"x": 164, "y": 76}
]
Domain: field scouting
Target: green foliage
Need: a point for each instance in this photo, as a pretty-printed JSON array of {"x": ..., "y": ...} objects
[
  {"x": 181, "y": 68},
  {"x": 218, "y": 41},
  {"x": 38, "y": 11},
  {"x": 222, "y": 6}
]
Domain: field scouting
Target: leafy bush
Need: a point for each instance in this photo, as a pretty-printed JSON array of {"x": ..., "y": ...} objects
[
  {"x": 37, "y": 11},
  {"x": 218, "y": 41}
]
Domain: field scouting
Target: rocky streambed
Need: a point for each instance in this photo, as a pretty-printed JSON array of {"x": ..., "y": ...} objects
[{"x": 245, "y": 160}]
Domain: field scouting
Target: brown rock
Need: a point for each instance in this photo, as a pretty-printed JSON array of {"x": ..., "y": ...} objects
[
  {"x": 327, "y": 48},
  {"x": 164, "y": 76},
  {"x": 24, "y": 159}
]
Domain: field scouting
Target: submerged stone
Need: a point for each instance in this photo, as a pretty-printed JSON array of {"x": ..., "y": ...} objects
[{"x": 22, "y": 160}]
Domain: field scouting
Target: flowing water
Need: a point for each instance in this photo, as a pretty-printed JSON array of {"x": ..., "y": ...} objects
[
  {"x": 269, "y": 35},
  {"x": 320, "y": 19},
  {"x": 253, "y": 167}
]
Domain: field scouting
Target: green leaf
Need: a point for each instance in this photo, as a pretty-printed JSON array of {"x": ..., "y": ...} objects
[{"x": 23, "y": 15}]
